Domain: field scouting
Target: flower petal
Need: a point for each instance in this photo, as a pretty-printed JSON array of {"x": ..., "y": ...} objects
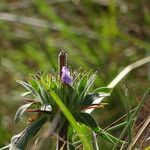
[{"x": 65, "y": 77}]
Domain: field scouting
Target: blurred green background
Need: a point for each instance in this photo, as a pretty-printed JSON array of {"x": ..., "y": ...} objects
[{"x": 102, "y": 35}]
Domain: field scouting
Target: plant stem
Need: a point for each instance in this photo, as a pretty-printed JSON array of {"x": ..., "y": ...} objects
[
  {"x": 72, "y": 121},
  {"x": 63, "y": 135}
]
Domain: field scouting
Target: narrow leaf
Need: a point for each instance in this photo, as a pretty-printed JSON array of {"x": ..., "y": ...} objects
[
  {"x": 127, "y": 106},
  {"x": 103, "y": 90},
  {"x": 90, "y": 82},
  {"x": 43, "y": 94},
  {"x": 30, "y": 88},
  {"x": 82, "y": 83},
  {"x": 20, "y": 141},
  {"x": 88, "y": 132},
  {"x": 26, "y": 85},
  {"x": 5, "y": 147},
  {"x": 90, "y": 98},
  {"x": 131, "y": 118},
  {"x": 88, "y": 120},
  {"x": 24, "y": 94},
  {"x": 70, "y": 134},
  {"x": 95, "y": 144},
  {"x": 21, "y": 111}
]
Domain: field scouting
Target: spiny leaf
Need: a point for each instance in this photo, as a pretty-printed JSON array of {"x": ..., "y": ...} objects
[
  {"x": 21, "y": 111},
  {"x": 21, "y": 140}
]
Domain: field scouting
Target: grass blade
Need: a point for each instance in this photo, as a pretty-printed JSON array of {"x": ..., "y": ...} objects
[
  {"x": 139, "y": 133},
  {"x": 132, "y": 117},
  {"x": 127, "y": 106}
]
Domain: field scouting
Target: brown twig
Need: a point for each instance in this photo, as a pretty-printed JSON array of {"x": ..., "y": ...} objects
[
  {"x": 94, "y": 106},
  {"x": 139, "y": 133},
  {"x": 37, "y": 110}
]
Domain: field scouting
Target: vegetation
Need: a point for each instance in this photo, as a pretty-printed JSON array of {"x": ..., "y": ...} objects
[{"x": 105, "y": 36}]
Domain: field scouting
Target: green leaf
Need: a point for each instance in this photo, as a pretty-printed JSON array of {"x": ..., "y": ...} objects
[
  {"x": 70, "y": 134},
  {"x": 82, "y": 83},
  {"x": 103, "y": 90},
  {"x": 88, "y": 100},
  {"x": 34, "y": 85},
  {"x": 85, "y": 85},
  {"x": 118, "y": 126},
  {"x": 21, "y": 111},
  {"x": 30, "y": 88},
  {"x": 90, "y": 82},
  {"x": 24, "y": 84},
  {"x": 88, "y": 120},
  {"x": 43, "y": 94},
  {"x": 21, "y": 140},
  {"x": 88, "y": 132},
  {"x": 91, "y": 97},
  {"x": 24, "y": 94},
  {"x": 68, "y": 96},
  {"x": 76, "y": 79}
]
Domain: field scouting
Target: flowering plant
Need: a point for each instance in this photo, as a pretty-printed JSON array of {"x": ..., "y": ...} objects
[{"x": 61, "y": 99}]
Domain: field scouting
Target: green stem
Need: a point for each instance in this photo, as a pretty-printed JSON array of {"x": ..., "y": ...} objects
[{"x": 72, "y": 121}]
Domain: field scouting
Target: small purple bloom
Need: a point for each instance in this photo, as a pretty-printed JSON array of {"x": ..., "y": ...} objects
[{"x": 65, "y": 77}]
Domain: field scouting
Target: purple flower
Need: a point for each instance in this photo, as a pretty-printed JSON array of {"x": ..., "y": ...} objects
[{"x": 65, "y": 77}]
